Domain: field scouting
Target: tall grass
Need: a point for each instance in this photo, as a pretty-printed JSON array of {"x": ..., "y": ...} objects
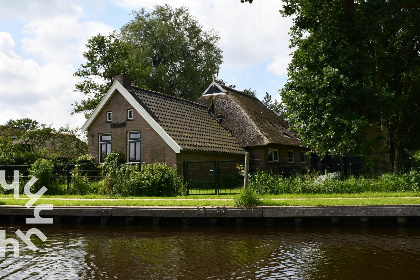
[{"x": 264, "y": 183}]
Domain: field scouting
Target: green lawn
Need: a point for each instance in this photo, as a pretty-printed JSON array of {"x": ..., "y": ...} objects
[{"x": 223, "y": 200}]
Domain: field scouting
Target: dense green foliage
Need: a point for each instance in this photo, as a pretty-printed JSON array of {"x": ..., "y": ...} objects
[
  {"x": 264, "y": 183},
  {"x": 274, "y": 105},
  {"x": 24, "y": 141},
  {"x": 247, "y": 198},
  {"x": 106, "y": 57},
  {"x": 354, "y": 80},
  {"x": 83, "y": 175},
  {"x": 155, "y": 179},
  {"x": 164, "y": 50},
  {"x": 158, "y": 179},
  {"x": 43, "y": 170}
]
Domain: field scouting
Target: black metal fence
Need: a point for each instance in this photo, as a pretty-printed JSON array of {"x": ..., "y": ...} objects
[
  {"x": 61, "y": 173},
  {"x": 212, "y": 177},
  {"x": 218, "y": 177}
]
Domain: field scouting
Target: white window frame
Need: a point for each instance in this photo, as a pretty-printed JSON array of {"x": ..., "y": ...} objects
[
  {"x": 135, "y": 141},
  {"x": 274, "y": 152},
  {"x": 130, "y": 114},
  {"x": 109, "y": 116},
  {"x": 108, "y": 146},
  {"x": 290, "y": 159}
]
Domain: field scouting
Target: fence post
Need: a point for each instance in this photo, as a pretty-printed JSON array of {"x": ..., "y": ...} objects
[
  {"x": 68, "y": 177},
  {"x": 184, "y": 174},
  {"x": 216, "y": 177},
  {"x": 246, "y": 170}
]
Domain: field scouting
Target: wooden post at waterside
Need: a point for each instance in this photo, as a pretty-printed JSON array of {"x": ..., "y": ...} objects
[{"x": 246, "y": 170}]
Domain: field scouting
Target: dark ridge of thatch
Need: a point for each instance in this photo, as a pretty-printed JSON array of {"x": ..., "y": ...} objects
[
  {"x": 187, "y": 122},
  {"x": 249, "y": 120}
]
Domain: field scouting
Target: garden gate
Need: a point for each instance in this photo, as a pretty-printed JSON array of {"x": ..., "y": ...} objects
[{"x": 213, "y": 177}]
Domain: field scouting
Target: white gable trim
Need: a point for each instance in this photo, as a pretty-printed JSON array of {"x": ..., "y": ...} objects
[
  {"x": 143, "y": 113},
  {"x": 217, "y": 85}
]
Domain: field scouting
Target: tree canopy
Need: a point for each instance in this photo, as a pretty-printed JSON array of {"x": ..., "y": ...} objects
[
  {"x": 164, "y": 50},
  {"x": 354, "y": 80},
  {"x": 23, "y": 141}
]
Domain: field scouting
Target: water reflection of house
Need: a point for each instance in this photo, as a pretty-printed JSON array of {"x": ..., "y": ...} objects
[{"x": 148, "y": 126}]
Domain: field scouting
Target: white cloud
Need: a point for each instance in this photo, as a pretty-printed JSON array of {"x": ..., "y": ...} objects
[
  {"x": 279, "y": 65},
  {"x": 38, "y": 83},
  {"x": 250, "y": 33},
  {"x": 35, "y": 9},
  {"x": 46, "y": 40},
  {"x": 29, "y": 90},
  {"x": 61, "y": 38}
]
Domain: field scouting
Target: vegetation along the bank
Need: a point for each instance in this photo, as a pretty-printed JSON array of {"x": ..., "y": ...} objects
[{"x": 157, "y": 184}]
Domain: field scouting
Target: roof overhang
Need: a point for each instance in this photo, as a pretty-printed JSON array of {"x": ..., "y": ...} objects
[{"x": 142, "y": 112}]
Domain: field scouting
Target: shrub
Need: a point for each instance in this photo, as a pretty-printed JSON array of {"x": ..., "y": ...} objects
[
  {"x": 415, "y": 158},
  {"x": 158, "y": 179},
  {"x": 43, "y": 170},
  {"x": 112, "y": 162},
  {"x": 247, "y": 198},
  {"x": 155, "y": 179},
  {"x": 79, "y": 183},
  {"x": 264, "y": 183},
  {"x": 85, "y": 167},
  {"x": 401, "y": 183},
  {"x": 110, "y": 169},
  {"x": 126, "y": 181}
]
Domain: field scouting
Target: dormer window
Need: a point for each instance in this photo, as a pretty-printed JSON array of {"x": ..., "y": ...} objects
[
  {"x": 130, "y": 114},
  {"x": 109, "y": 116}
]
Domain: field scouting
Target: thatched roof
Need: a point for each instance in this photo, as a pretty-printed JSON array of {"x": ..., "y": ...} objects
[
  {"x": 247, "y": 118},
  {"x": 189, "y": 124}
]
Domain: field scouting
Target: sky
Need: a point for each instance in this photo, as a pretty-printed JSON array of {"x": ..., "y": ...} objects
[{"x": 42, "y": 44}]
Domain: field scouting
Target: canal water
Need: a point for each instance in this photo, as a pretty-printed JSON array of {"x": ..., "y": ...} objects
[{"x": 119, "y": 252}]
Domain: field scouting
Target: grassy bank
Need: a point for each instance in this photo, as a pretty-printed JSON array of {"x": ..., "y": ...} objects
[{"x": 366, "y": 198}]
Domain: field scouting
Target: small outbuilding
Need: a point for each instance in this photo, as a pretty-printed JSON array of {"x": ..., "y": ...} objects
[{"x": 257, "y": 129}]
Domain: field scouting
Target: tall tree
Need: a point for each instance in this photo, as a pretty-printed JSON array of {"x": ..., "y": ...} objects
[
  {"x": 24, "y": 124},
  {"x": 165, "y": 50},
  {"x": 274, "y": 105},
  {"x": 106, "y": 57},
  {"x": 354, "y": 80}
]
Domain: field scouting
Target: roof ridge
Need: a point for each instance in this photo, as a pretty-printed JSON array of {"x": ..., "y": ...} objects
[
  {"x": 240, "y": 92},
  {"x": 171, "y": 96}
]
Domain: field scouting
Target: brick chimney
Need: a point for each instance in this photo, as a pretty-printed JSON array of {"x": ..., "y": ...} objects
[{"x": 123, "y": 79}]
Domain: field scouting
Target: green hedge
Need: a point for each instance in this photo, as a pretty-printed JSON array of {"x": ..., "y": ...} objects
[{"x": 156, "y": 179}]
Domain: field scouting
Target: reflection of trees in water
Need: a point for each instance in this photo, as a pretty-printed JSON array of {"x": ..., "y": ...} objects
[
  {"x": 220, "y": 253},
  {"x": 174, "y": 256},
  {"x": 231, "y": 253}
]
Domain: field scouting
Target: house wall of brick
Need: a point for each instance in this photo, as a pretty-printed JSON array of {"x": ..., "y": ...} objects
[
  {"x": 259, "y": 158},
  {"x": 153, "y": 147},
  {"x": 206, "y": 156}
]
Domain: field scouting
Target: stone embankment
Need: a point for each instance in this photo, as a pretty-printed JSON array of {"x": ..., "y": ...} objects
[{"x": 388, "y": 215}]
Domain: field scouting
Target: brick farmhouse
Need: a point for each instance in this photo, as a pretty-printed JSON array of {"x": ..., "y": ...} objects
[{"x": 148, "y": 126}]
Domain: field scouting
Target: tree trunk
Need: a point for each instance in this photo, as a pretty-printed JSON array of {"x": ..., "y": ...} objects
[{"x": 397, "y": 159}]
